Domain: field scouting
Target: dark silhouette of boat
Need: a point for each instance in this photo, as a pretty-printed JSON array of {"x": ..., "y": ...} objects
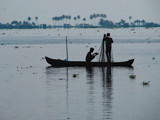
[{"x": 63, "y": 63}]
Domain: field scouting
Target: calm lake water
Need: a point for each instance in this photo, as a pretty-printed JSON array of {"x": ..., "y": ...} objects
[{"x": 32, "y": 90}]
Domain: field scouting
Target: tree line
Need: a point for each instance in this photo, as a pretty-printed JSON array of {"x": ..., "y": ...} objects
[{"x": 64, "y": 21}]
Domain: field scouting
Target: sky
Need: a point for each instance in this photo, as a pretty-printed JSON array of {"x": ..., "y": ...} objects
[{"x": 45, "y": 10}]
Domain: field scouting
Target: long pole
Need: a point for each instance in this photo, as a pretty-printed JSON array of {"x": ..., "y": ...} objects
[{"x": 66, "y": 48}]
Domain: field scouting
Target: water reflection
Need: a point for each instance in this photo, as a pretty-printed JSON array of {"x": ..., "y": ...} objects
[
  {"x": 57, "y": 86},
  {"x": 106, "y": 93},
  {"x": 89, "y": 96}
]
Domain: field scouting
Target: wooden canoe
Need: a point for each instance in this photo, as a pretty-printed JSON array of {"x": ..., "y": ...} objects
[{"x": 63, "y": 63}]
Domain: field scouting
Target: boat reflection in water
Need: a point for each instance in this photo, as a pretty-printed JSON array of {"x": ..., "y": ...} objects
[
  {"x": 88, "y": 96},
  {"x": 106, "y": 93}
]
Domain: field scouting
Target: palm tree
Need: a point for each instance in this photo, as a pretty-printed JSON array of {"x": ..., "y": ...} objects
[
  {"x": 130, "y": 18},
  {"x": 137, "y": 22},
  {"x": 75, "y": 18},
  {"x": 84, "y": 20},
  {"x": 122, "y": 22},
  {"x": 53, "y": 20},
  {"x": 98, "y": 17},
  {"x": 63, "y": 17},
  {"x": 78, "y": 17},
  {"x": 14, "y": 23},
  {"x": 36, "y": 18},
  {"x": 103, "y": 15},
  {"x": 69, "y": 17},
  {"x": 33, "y": 24},
  {"x": 94, "y": 17},
  {"x": 143, "y": 22},
  {"x": 29, "y": 19},
  {"x": 91, "y": 18},
  {"x": 20, "y": 23},
  {"x": 56, "y": 19}
]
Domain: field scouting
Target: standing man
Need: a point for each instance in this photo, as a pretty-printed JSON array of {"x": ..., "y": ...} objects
[{"x": 108, "y": 41}]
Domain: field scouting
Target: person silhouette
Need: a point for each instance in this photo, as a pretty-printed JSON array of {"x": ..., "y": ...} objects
[
  {"x": 108, "y": 42},
  {"x": 90, "y": 56}
]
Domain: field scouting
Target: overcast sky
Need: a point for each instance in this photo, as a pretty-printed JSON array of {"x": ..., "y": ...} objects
[{"x": 46, "y": 9}]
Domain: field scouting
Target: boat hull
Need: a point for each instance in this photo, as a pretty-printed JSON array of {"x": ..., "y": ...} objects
[{"x": 62, "y": 63}]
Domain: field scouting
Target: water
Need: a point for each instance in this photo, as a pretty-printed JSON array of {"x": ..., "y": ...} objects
[
  {"x": 32, "y": 90},
  {"x": 108, "y": 93},
  {"x": 71, "y": 40},
  {"x": 78, "y": 36}
]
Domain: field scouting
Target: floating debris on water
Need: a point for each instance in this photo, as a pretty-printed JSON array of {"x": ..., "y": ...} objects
[
  {"x": 132, "y": 76},
  {"x": 75, "y": 75},
  {"x": 26, "y": 47},
  {"x": 153, "y": 58},
  {"x": 24, "y": 67},
  {"x": 34, "y": 73},
  {"x": 145, "y": 83},
  {"x": 61, "y": 79},
  {"x": 16, "y": 46},
  {"x": 132, "y": 29},
  {"x": 42, "y": 58}
]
